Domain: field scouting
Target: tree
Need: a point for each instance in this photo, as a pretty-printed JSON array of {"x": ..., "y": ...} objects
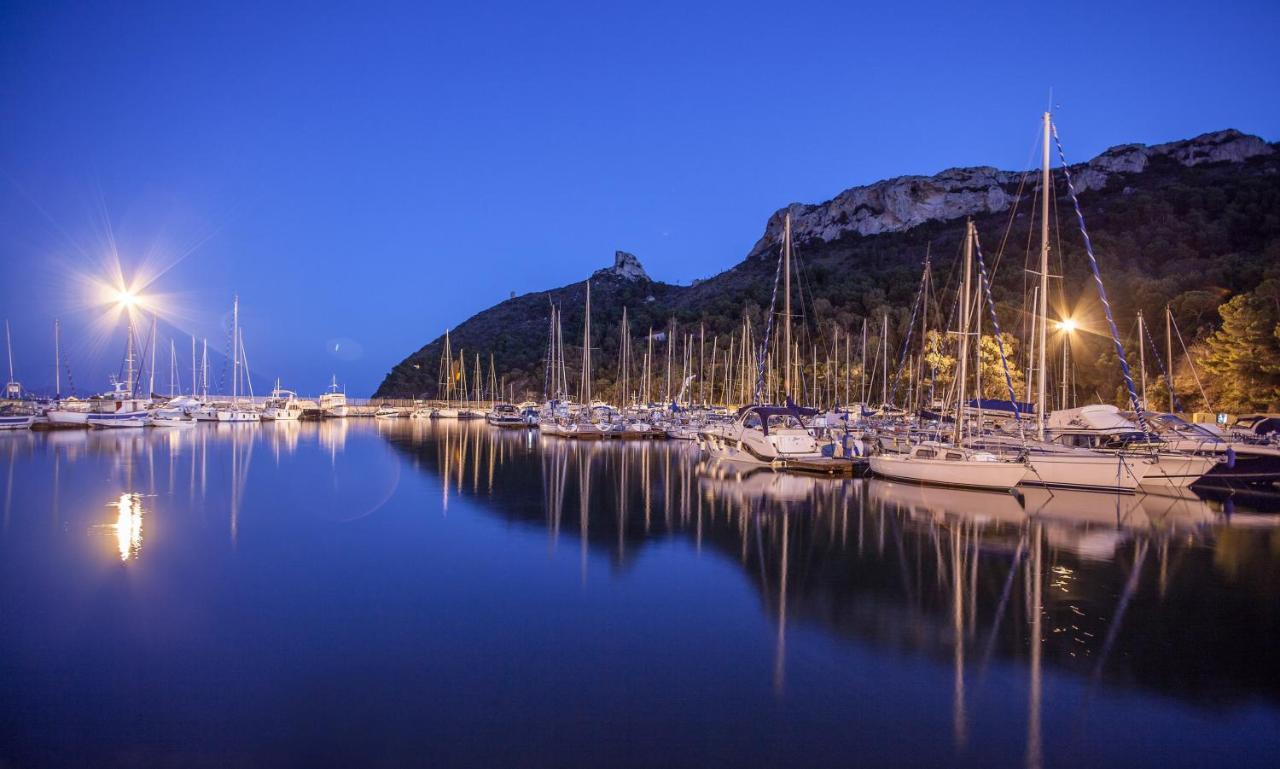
[{"x": 1242, "y": 359}]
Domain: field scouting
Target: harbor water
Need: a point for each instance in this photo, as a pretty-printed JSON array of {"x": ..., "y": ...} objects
[{"x": 430, "y": 593}]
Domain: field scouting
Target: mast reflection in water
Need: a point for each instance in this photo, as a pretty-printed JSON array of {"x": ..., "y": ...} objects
[{"x": 413, "y": 591}]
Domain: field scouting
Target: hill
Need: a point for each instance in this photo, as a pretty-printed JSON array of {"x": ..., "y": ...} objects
[{"x": 1190, "y": 224}]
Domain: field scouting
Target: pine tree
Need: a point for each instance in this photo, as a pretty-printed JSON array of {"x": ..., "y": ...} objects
[{"x": 1242, "y": 358}]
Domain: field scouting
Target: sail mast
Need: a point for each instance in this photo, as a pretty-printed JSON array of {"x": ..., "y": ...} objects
[
  {"x": 235, "y": 347},
  {"x": 786, "y": 305},
  {"x": 1042, "y": 311},
  {"x": 586, "y": 351},
  {"x": 151, "y": 378},
  {"x": 1142, "y": 359},
  {"x": 964, "y": 331},
  {"x": 57, "y": 360}
]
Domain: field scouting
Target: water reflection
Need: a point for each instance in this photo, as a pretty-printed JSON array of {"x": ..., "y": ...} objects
[
  {"x": 566, "y": 572},
  {"x": 1107, "y": 587},
  {"x": 128, "y": 525}
]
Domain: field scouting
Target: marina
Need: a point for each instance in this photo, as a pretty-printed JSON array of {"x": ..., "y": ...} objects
[
  {"x": 621, "y": 386},
  {"x": 1054, "y": 628}
]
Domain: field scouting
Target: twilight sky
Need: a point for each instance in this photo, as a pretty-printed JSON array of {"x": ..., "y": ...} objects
[{"x": 365, "y": 176}]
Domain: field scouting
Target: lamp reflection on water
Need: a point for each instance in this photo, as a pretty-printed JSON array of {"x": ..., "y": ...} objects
[{"x": 128, "y": 525}]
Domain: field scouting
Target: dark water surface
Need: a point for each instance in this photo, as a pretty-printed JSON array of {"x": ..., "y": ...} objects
[{"x": 352, "y": 593}]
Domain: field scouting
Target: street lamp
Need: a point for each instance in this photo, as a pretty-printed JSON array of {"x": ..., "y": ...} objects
[{"x": 1066, "y": 326}]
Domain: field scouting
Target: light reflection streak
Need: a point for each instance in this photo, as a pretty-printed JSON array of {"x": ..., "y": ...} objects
[{"x": 128, "y": 525}]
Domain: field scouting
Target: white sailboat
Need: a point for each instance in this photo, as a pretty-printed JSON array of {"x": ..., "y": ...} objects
[
  {"x": 64, "y": 413},
  {"x": 238, "y": 411},
  {"x": 333, "y": 403},
  {"x": 762, "y": 434},
  {"x": 1051, "y": 464},
  {"x": 121, "y": 407},
  {"x": 954, "y": 464}
]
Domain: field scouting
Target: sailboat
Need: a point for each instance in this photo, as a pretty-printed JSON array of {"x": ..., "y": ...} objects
[
  {"x": 448, "y": 410},
  {"x": 954, "y": 464},
  {"x": 1054, "y": 464},
  {"x": 238, "y": 411},
  {"x": 759, "y": 433},
  {"x": 11, "y": 418},
  {"x": 121, "y": 407},
  {"x": 467, "y": 411},
  {"x": 333, "y": 403}
]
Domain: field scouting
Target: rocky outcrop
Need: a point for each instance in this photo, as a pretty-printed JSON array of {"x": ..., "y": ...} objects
[
  {"x": 625, "y": 267},
  {"x": 896, "y": 205}
]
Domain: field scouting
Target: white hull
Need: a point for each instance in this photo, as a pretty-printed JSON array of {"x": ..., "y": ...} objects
[
  {"x": 1172, "y": 472},
  {"x": 238, "y": 417},
  {"x": 1076, "y": 471},
  {"x": 120, "y": 419},
  {"x": 172, "y": 423},
  {"x": 16, "y": 423},
  {"x": 445, "y": 414},
  {"x": 63, "y": 418},
  {"x": 965, "y": 473},
  {"x": 336, "y": 412}
]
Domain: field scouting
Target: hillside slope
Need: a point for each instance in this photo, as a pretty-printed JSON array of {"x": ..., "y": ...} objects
[{"x": 1189, "y": 223}]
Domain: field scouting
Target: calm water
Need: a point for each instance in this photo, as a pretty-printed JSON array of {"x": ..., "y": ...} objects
[{"x": 382, "y": 594}]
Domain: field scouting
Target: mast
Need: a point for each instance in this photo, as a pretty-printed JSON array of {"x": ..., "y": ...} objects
[
  {"x": 1142, "y": 359},
  {"x": 964, "y": 331},
  {"x": 862, "y": 364},
  {"x": 884, "y": 380},
  {"x": 173, "y": 368},
  {"x": 151, "y": 378},
  {"x": 1168, "y": 346},
  {"x": 786, "y": 305},
  {"x": 204, "y": 370},
  {"x": 128, "y": 351},
  {"x": 8, "y": 341},
  {"x": 1042, "y": 311},
  {"x": 193, "y": 365},
  {"x": 235, "y": 347},
  {"x": 57, "y": 360},
  {"x": 586, "y": 351},
  {"x": 702, "y": 359}
]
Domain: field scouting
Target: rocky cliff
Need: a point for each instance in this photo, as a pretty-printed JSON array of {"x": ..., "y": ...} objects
[{"x": 1186, "y": 222}]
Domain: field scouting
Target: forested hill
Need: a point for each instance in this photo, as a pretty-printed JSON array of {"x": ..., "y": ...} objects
[{"x": 1191, "y": 224}]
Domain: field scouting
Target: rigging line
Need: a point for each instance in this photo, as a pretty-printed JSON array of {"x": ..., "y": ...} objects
[
  {"x": 762, "y": 355},
  {"x": 911, "y": 326},
  {"x": 1190, "y": 362},
  {"x": 995, "y": 324},
  {"x": 1102, "y": 292},
  {"x": 1155, "y": 350}
]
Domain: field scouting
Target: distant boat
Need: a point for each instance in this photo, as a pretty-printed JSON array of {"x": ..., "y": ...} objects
[
  {"x": 386, "y": 412},
  {"x": 506, "y": 415},
  {"x": 10, "y": 419},
  {"x": 238, "y": 412},
  {"x": 282, "y": 406},
  {"x": 333, "y": 403}
]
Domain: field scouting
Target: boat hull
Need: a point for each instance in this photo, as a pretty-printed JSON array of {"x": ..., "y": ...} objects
[
  {"x": 1092, "y": 473},
  {"x": 119, "y": 419},
  {"x": 1000, "y": 476}
]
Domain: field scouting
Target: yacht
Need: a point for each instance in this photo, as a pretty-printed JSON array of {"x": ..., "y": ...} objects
[
  {"x": 766, "y": 435},
  {"x": 283, "y": 405},
  {"x": 386, "y": 412},
  {"x": 118, "y": 408},
  {"x": 505, "y": 415},
  {"x": 1244, "y": 463},
  {"x": 1101, "y": 427},
  {"x": 333, "y": 403},
  {"x": 948, "y": 465},
  {"x": 12, "y": 419}
]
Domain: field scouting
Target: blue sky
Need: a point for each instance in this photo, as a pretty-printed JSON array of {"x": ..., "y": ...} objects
[{"x": 365, "y": 175}]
